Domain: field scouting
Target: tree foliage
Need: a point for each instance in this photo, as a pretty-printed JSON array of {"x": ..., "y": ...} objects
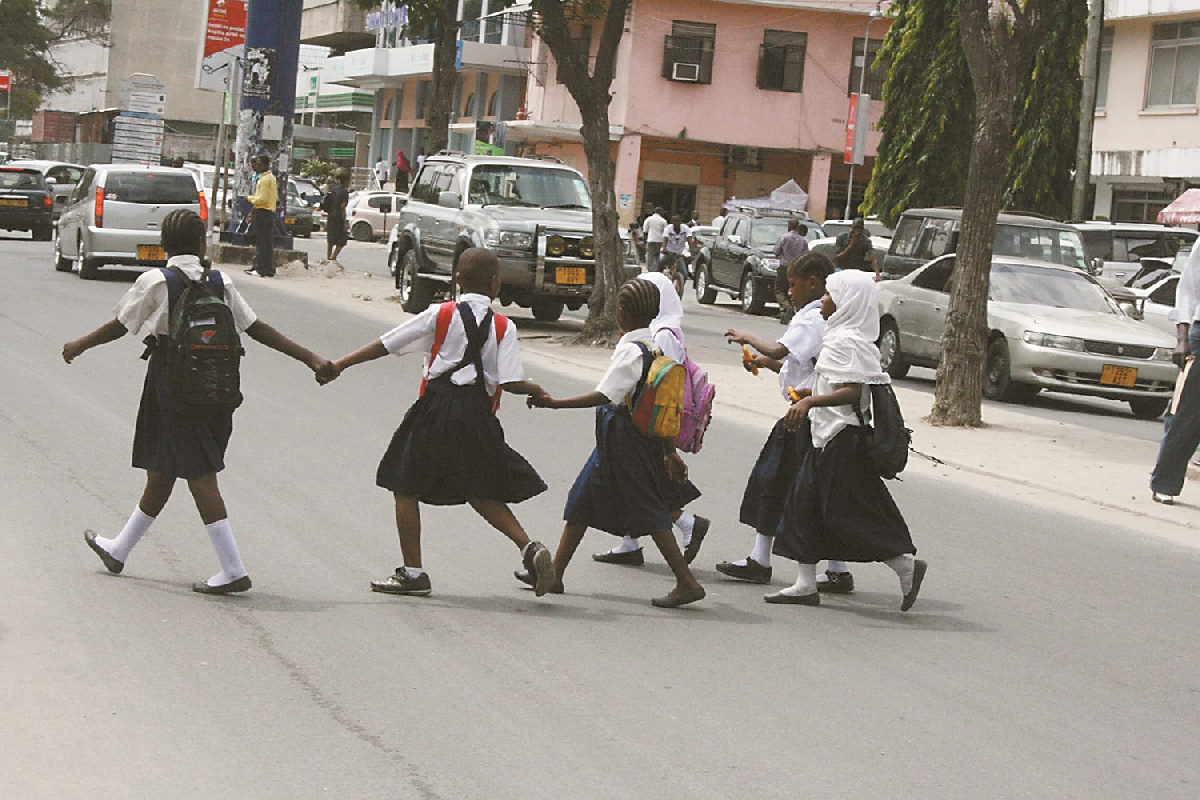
[
  {"x": 929, "y": 114},
  {"x": 23, "y": 47}
]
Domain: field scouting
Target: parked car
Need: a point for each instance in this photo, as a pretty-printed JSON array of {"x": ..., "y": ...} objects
[
  {"x": 836, "y": 227},
  {"x": 26, "y": 202},
  {"x": 1151, "y": 299},
  {"x": 372, "y": 214},
  {"x": 308, "y": 190},
  {"x": 297, "y": 216},
  {"x": 1114, "y": 250},
  {"x": 1049, "y": 327},
  {"x": 702, "y": 236},
  {"x": 740, "y": 262},
  {"x": 923, "y": 234},
  {"x": 115, "y": 213},
  {"x": 534, "y": 214},
  {"x": 61, "y": 177},
  {"x": 828, "y": 246}
]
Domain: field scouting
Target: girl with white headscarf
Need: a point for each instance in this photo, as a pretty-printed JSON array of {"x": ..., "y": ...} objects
[
  {"x": 667, "y": 329},
  {"x": 839, "y": 507}
]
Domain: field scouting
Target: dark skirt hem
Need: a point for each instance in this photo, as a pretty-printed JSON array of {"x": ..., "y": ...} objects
[
  {"x": 174, "y": 445},
  {"x": 772, "y": 478}
]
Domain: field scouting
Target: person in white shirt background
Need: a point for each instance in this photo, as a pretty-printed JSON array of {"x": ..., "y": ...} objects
[
  {"x": 1182, "y": 421},
  {"x": 653, "y": 229}
]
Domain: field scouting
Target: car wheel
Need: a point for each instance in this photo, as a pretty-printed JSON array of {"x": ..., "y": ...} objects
[
  {"x": 415, "y": 292},
  {"x": 752, "y": 299},
  {"x": 997, "y": 376},
  {"x": 1148, "y": 407},
  {"x": 547, "y": 310},
  {"x": 361, "y": 231},
  {"x": 394, "y": 261},
  {"x": 88, "y": 267},
  {"x": 890, "y": 356},
  {"x": 704, "y": 292},
  {"x": 61, "y": 264}
]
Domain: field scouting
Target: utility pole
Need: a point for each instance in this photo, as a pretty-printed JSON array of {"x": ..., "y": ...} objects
[
  {"x": 268, "y": 103},
  {"x": 1087, "y": 110}
]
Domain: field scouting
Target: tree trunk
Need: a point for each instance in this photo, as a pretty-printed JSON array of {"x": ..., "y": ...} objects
[
  {"x": 601, "y": 323},
  {"x": 445, "y": 44}
]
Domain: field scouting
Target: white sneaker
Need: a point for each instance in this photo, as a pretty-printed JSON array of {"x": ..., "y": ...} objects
[
  {"x": 253, "y": 272},
  {"x": 1165, "y": 499}
]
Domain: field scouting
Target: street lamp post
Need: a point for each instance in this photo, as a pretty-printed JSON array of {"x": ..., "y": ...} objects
[{"x": 876, "y": 13}]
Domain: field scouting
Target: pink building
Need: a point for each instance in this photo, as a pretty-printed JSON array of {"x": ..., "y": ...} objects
[{"x": 715, "y": 99}]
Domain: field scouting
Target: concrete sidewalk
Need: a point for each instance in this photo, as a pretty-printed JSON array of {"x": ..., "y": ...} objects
[{"x": 1047, "y": 463}]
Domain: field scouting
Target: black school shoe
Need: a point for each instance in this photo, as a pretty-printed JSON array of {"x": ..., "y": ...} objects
[
  {"x": 527, "y": 579},
  {"x": 836, "y": 583},
  {"x": 540, "y": 566},
  {"x": 634, "y": 558},
  {"x": 401, "y": 582},
  {"x": 753, "y": 572},
  {"x": 242, "y": 584},
  {"x": 110, "y": 563},
  {"x": 699, "y": 531}
]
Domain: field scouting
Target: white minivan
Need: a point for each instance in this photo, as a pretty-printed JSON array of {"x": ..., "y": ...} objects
[{"x": 114, "y": 214}]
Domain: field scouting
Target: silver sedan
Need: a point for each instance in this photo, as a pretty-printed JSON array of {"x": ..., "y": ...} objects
[{"x": 1049, "y": 327}]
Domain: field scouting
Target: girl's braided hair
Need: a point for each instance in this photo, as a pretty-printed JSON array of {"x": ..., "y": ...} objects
[
  {"x": 183, "y": 233},
  {"x": 640, "y": 300}
]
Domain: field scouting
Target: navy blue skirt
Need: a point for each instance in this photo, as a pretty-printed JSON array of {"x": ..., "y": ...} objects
[
  {"x": 174, "y": 445},
  {"x": 623, "y": 488},
  {"x": 839, "y": 508},
  {"x": 450, "y": 448},
  {"x": 773, "y": 476}
]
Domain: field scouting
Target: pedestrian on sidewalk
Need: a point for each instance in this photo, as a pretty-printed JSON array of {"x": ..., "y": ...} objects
[
  {"x": 839, "y": 507},
  {"x": 450, "y": 448},
  {"x": 381, "y": 172},
  {"x": 263, "y": 199},
  {"x": 403, "y": 171},
  {"x": 790, "y": 246},
  {"x": 667, "y": 329},
  {"x": 334, "y": 205},
  {"x": 630, "y": 483},
  {"x": 167, "y": 444},
  {"x": 652, "y": 229},
  {"x": 1181, "y": 435},
  {"x": 794, "y": 357}
]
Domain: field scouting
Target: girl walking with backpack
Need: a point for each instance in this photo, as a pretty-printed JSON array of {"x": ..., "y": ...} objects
[
  {"x": 631, "y": 483},
  {"x": 667, "y": 328},
  {"x": 167, "y": 444},
  {"x": 839, "y": 507}
]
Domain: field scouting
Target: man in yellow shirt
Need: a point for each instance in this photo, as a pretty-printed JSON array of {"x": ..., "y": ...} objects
[{"x": 265, "y": 198}]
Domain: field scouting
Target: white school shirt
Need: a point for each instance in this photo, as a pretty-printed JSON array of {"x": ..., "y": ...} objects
[
  {"x": 674, "y": 240},
  {"x": 500, "y": 364},
  {"x": 803, "y": 342},
  {"x": 653, "y": 227},
  {"x": 625, "y": 368},
  {"x": 828, "y": 421},
  {"x": 1187, "y": 296},
  {"x": 671, "y": 347},
  {"x": 145, "y": 305}
]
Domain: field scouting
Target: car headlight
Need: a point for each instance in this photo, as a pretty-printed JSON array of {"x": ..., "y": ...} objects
[
  {"x": 770, "y": 264},
  {"x": 587, "y": 247},
  {"x": 555, "y": 245},
  {"x": 1163, "y": 354},
  {"x": 1050, "y": 340},
  {"x": 515, "y": 240}
]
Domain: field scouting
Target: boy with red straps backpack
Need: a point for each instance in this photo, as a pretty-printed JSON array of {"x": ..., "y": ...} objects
[{"x": 450, "y": 448}]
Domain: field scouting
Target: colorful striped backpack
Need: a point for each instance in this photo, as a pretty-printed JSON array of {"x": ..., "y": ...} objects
[{"x": 656, "y": 405}]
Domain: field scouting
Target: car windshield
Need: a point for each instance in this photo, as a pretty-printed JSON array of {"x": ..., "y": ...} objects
[
  {"x": 151, "y": 188},
  {"x": 766, "y": 231},
  {"x": 20, "y": 180},
  {"x": 1030, "y": 285},
  {"x": 1041, "y": 244},
  {"x": 508, "y": 185}
]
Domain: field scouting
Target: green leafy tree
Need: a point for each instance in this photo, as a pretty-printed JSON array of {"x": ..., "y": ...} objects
[
  {"x": 930, "y": 108},
  {"x": 24, "y": 42}
]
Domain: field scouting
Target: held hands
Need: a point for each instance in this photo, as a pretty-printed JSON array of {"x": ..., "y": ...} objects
[
  {"x": 326, "y": 371},
  {"x": 797, "y": 413},
  {"x": 539, "y": 399}
]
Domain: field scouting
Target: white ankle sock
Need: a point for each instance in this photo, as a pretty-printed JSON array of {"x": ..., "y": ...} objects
[
  {"x": 685, "y": 523},
  {"x": 762, "y": 549},
  {"x": 903, "y": 566},
  {"x": 806, "y": 581},
  {"x": 626, "y": 545},
  {"x": 120, "y": 547},
  {"x": 220, "y": 533}
]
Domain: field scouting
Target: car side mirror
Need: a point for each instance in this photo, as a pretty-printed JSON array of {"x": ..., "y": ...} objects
[
  {"x": 735, "y": 239},
  {"x": 50, "y": 181},
  {"x": 449, "y": 199}
]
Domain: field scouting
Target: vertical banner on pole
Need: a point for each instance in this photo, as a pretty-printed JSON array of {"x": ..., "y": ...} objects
[
  {"x": 858, "y": 122},
  {"x": 224, "y": 38}
]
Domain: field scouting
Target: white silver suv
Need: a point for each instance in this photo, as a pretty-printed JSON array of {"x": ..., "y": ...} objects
[{"x": 115, "y": 212}]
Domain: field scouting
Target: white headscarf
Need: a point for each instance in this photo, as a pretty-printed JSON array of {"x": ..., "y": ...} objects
[
  {"x": 670, "y": 307},
  {"x": 848, "y": 351}
]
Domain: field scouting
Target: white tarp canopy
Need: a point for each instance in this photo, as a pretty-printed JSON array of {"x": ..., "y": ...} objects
[{"x": 788, "y": 197}]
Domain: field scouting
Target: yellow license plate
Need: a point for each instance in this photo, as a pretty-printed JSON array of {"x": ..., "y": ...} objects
[
  {"x": 575, "y": 275},
  {"x": 1112, "y": 375},
  {"x": 289, "y": 220},
  {"x": 151, "y": 252},
  {"x": 18, "y": 202}
]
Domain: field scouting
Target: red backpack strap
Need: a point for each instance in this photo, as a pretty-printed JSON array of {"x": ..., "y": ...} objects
[
  {"x": 501, "y": 324},
  {"x": 445, "y": 313}
]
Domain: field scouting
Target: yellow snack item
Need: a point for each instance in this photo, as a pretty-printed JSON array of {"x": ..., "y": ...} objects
[{"x": 748, "y": 358}]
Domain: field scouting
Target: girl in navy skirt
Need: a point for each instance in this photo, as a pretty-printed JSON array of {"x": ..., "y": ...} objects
[
  {"x": 839, "y": 507},
  {"x": 165, "y": 444},
  {"x": 630, "y": 484},
  {"x": 667, "y": 328},
  {"x": 450, "y": 448},
  {"x": 794, "y": 357}
]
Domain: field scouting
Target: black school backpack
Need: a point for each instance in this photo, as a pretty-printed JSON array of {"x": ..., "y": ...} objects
[
  {"x": 202, "y": 351},
  {"x": 886, "y": 440}
]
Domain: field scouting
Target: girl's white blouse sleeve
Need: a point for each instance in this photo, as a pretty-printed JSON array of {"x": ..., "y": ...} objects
[{"x": 623, "y": 374}]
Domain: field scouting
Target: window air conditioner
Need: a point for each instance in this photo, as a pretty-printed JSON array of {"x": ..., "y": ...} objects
[{"x": 685, "y": 72}]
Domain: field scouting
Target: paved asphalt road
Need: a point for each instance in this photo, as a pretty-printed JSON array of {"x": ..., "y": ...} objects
[{"x": 1047, "y": 656}]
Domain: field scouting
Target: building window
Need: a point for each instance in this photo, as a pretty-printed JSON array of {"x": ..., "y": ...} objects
[
  {"x": 781, "y": 61},
  {"x": 688, "y": 54},
  {"x": 1139, "y": 205},
  {"x": 1102, "y": 68},
  {"x": 1174, "y": 65},
  {"x": 876, "y": 72}
]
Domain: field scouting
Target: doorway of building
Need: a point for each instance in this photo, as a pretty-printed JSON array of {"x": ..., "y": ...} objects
[{"x": 675, "y": 198}]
